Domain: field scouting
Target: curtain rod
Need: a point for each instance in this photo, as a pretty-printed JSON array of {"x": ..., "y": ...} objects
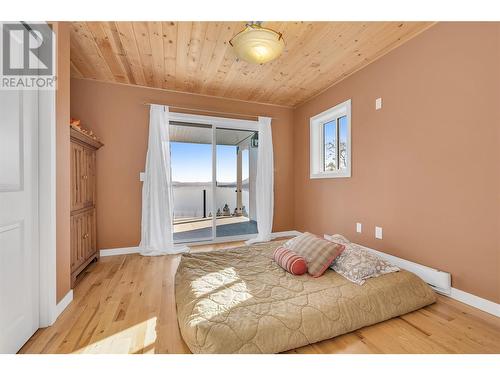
[{"x": 208, "y": 111}]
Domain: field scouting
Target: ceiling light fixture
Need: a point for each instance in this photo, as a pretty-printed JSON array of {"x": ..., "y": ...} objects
[{"x": 257, "y": 44}]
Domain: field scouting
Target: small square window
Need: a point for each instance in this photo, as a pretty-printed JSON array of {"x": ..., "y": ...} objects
[{"x": 331, "y": 142}]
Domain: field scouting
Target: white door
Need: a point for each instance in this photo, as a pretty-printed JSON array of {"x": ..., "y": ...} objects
[{"x": 19, "y": 253}]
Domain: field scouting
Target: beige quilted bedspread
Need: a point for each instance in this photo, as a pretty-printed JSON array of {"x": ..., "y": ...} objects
[{"x": 241, "y": 301}]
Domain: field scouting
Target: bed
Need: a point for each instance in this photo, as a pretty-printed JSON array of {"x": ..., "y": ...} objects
[{"x": 240, "y": 301}]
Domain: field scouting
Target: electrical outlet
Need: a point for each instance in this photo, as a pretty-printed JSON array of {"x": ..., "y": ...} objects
[
  {"x": 378, "y": 103},
  {"x": 359, "y": 227},
  {"x": 378, "y": 232},
  {"x": 142, "y": 176}
]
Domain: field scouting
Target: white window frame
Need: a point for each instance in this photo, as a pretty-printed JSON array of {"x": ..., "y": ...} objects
[{"x": 317, "y": 142}]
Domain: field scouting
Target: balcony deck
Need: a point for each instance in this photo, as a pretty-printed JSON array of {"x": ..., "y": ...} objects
[{"x": 199, "y": 229}]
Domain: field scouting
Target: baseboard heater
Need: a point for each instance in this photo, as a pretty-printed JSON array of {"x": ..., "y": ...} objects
[{"x": 440, "y": 281}]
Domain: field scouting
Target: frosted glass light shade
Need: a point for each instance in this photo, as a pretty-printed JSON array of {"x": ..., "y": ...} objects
[{"x": 258, "y": 45}]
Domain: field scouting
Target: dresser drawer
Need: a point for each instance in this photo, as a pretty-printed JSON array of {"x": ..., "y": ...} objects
[{"x": 83, "y": 238}]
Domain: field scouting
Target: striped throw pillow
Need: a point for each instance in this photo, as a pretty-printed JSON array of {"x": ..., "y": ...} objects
[
  {"x": 290, "y": 261},
  {"x": 318, "y": 253}
]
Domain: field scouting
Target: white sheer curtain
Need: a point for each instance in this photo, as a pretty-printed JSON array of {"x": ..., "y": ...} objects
[
  {"x": 157, "y": 203},
  {"x": 264, "y": 183}
]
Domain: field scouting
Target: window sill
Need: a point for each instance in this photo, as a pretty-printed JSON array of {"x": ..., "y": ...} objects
[{"x": 330, "y": 175}]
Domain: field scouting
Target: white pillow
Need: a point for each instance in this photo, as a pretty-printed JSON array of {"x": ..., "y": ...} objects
[{"x": 357, "y": 264}]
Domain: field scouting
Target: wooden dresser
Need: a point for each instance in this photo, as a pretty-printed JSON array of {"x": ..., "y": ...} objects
[{"x": 83, "y": 202}]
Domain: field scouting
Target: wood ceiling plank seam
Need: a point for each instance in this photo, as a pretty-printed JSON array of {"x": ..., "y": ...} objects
[
  {"x": 87, "y": 45},
  {"x": 127, "y": 38},
  {"x": 237, "y": 79},
  {"x": 217, "y": 59},
  {"x": 228, "y": 63},
  {"x": 223, "y": 70},
  {"x": 80, "y": 64},
  {"x": 351, "y": 54},
  {"x": 156, "y": 42},
  {"x": 91, "y": 52},
  {"x": 80, "y": 59},
  {"x": 309, "y": 48},
  {"x": 207, "y": 50},
  {"x": 234, "y": 78},
  {"x": 367, "y": 51},
  {"x": 103, "y": 44},
  {"x": 114, "y": 37},
  {"x": 183, "y": 39},
  {"x": 143, "y": 42},
  {"x": 170, "y": 52},
  {"x": 335, "y": 41},
  {"x": 403, "y": 33},
  {"x": 408, "y": 33},
  {"x": 218, "y": 53},
  {"x": 344, "y": 49},
  {"x": 295, "y": 57},
  {"x": 198, "y": 34},
  {"x": 100, "y": 61}
]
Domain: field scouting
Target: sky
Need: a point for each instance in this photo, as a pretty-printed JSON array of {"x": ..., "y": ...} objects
[
  {"x": 330, "y": 130},
  {"x": 330, "y": 133},
  {"x": 192, "y": 162}
]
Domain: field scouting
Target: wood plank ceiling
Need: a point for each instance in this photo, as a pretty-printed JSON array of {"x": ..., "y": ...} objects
[{"x": 196, "y": 56}]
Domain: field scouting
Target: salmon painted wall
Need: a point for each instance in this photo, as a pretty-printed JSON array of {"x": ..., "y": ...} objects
[
  {"x": 117, "y": 115},
  {"x": 63, "y": 263},
  {"x": 426, "y": 166}
]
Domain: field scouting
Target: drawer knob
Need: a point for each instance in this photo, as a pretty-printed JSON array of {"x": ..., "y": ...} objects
[
  {"x": 85, "y": 236},
  {"x": 85, "y": 177}
]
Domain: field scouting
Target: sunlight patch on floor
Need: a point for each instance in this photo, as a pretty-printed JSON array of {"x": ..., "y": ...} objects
[{"x": 137, "y": 338}]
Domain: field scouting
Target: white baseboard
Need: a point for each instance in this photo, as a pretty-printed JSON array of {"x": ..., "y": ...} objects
[
  {"x": 441, "y": 282},
  {"x": 135, "y": 249},
  {"x": 61, "y": 306},
  {"x": 119, "y": 251},
  {"x": 475, "y": 301}
]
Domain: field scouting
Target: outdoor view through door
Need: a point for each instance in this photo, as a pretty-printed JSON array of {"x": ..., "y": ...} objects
[{"x": 212, "y": 199}]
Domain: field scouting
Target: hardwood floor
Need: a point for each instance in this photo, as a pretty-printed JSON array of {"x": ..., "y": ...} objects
[{"x": 125, "y": 304}]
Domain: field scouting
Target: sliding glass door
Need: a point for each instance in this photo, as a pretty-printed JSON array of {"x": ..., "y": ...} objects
[
  {"x": 235, "y": 215},
  {"x": 191, "y": 153},
  {"x": 213, "y": 173}
]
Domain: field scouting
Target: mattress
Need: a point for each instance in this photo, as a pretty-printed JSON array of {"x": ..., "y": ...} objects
[{"x": 240, "y": 301}]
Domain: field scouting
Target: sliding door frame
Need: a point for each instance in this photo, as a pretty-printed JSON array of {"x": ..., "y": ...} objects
[
  {"x": 220, "y": 122},
  {"x": 216, "y": 123}
]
